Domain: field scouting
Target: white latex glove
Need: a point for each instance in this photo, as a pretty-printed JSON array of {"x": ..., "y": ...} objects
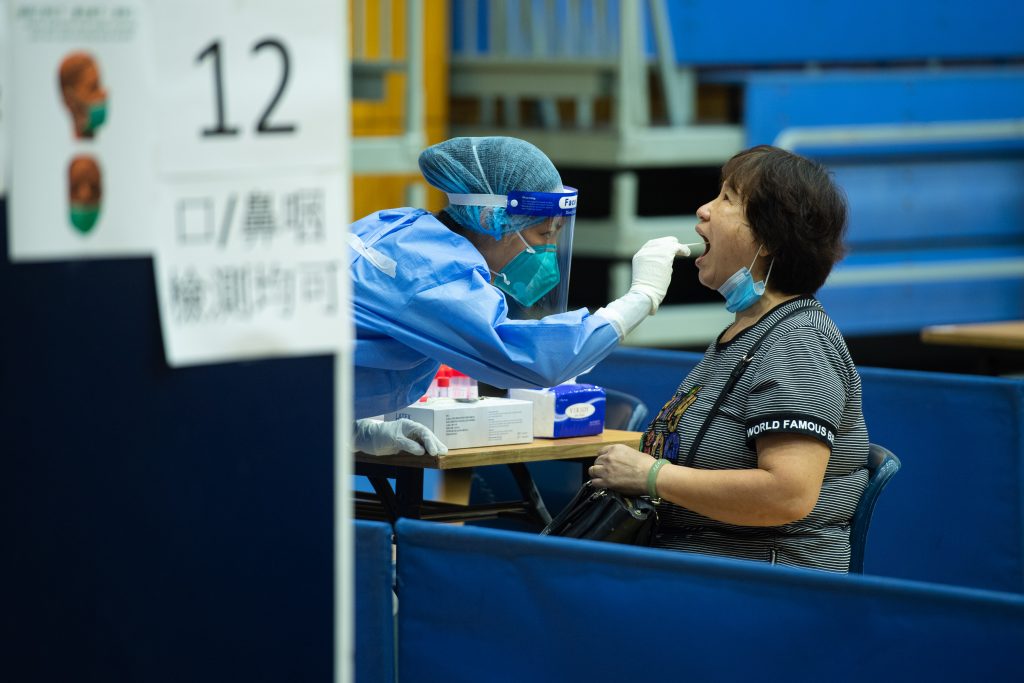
[
  {"x": 652, "y": 268},
  {"x": 377, "y": 437}
]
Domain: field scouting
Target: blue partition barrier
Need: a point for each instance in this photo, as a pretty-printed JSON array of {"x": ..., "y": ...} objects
[
  {"x": 652, "y": 375},
  {"x": 954, "y": 513},
  {"x": 374, "y": 600},
  {"x": 161, "y": 524},
  {"x": 482, "y": 604}
]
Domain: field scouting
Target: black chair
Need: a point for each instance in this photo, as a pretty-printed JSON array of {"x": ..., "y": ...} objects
[
  {"x": 624, "y": 411},
  {"x": 882, "y": 466}
]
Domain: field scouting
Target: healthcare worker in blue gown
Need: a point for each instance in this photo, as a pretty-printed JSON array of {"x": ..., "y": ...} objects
[{"x": 481, "y": 286}]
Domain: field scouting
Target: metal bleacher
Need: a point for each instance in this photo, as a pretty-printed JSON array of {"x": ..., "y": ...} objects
[
  {"x": 584, "y": 68},
  {"x": 917, "y": 107}
]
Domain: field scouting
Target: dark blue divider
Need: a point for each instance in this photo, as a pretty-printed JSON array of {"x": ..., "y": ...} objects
[
  {"x": 482, "y": 604},
  {"x": 652, "y": 375},
  {"x": 159, "y": 524},
  {"x": 954, "y": 513},
  {"x": 374, "y": 614}
]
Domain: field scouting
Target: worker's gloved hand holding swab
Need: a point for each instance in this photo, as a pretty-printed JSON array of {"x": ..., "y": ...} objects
[
  {"x": 652, "y": 268},
  {"x": 652, "y": 273}
]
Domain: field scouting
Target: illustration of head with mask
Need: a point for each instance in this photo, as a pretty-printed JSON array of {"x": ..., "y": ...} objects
[
  {"x": 85, "y": 193},
  {"x": 83, "y": 95},
  {"x": 506, "y": 197}
]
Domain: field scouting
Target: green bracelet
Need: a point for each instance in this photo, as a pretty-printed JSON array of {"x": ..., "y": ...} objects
[{"x": 652, "y": 477}]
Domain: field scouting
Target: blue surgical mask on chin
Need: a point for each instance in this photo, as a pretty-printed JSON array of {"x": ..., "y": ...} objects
[
  {"x": 531, "y": 274},
  {"x": 740, "y": 290}
]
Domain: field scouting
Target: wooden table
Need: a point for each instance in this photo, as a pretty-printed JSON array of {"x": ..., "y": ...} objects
[
  {"x": 997, "y": 335},
  {"x": 406, "y": 498}
]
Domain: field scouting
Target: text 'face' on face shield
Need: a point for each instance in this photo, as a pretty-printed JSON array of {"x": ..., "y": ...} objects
[{"x": 556, "y": 213}]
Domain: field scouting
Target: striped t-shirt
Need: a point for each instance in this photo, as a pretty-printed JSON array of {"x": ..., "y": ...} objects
[{"x": 801, "y": 380}]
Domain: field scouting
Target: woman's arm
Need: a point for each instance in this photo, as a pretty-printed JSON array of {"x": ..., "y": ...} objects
[{"x": 783, "y": 488}]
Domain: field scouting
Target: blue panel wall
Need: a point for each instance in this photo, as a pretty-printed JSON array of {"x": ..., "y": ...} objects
[
  {"x": 481, "y": 604},
  {"x": 907, "y": 306},
  {"x": 961, "y": 202},
  {"x": 525, "y": 18},
  {"x": 776, "y": 101},
  {"x": 752, "y": 32},
  {"x": 159, "y": 525}
]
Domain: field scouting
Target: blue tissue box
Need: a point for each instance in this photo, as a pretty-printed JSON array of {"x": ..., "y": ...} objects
[{"x": 566, "y": 410}]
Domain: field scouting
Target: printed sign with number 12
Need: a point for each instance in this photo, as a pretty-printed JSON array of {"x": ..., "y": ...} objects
[{"x": 244, "y": 82}]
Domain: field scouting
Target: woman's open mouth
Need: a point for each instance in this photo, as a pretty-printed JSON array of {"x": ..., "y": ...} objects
[{"x": 707, "y": 248}]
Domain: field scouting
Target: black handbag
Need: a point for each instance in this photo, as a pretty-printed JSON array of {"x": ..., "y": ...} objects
[{"x": 604, "y": 515}]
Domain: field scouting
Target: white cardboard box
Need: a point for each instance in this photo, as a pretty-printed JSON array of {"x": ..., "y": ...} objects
[{"x": 468, "y": 424}]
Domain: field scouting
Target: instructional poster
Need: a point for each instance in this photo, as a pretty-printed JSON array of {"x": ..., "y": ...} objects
[
  {"x": 252, "y": 213},
  {"x": 79, "y": 103},
  {"x": 250, "y": 268}
]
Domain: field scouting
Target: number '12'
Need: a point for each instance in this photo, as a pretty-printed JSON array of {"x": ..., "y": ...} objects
[{"x": 263, "y": 125}]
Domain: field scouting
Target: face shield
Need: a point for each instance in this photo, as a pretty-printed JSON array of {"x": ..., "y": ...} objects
[{"x": 536, "y": 277}]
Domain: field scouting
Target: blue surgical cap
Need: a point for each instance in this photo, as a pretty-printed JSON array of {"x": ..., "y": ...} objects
[{"x": 489, "y": 165}]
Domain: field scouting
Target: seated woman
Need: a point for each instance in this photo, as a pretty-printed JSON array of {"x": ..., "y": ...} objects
[{"x": 761, "y": 452}]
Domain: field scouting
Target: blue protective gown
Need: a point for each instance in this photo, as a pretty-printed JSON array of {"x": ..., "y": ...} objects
[{"x": 422, "y": 296}]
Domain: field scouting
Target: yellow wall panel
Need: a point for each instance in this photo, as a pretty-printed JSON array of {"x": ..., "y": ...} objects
[{"x": 384, "y": 117}]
